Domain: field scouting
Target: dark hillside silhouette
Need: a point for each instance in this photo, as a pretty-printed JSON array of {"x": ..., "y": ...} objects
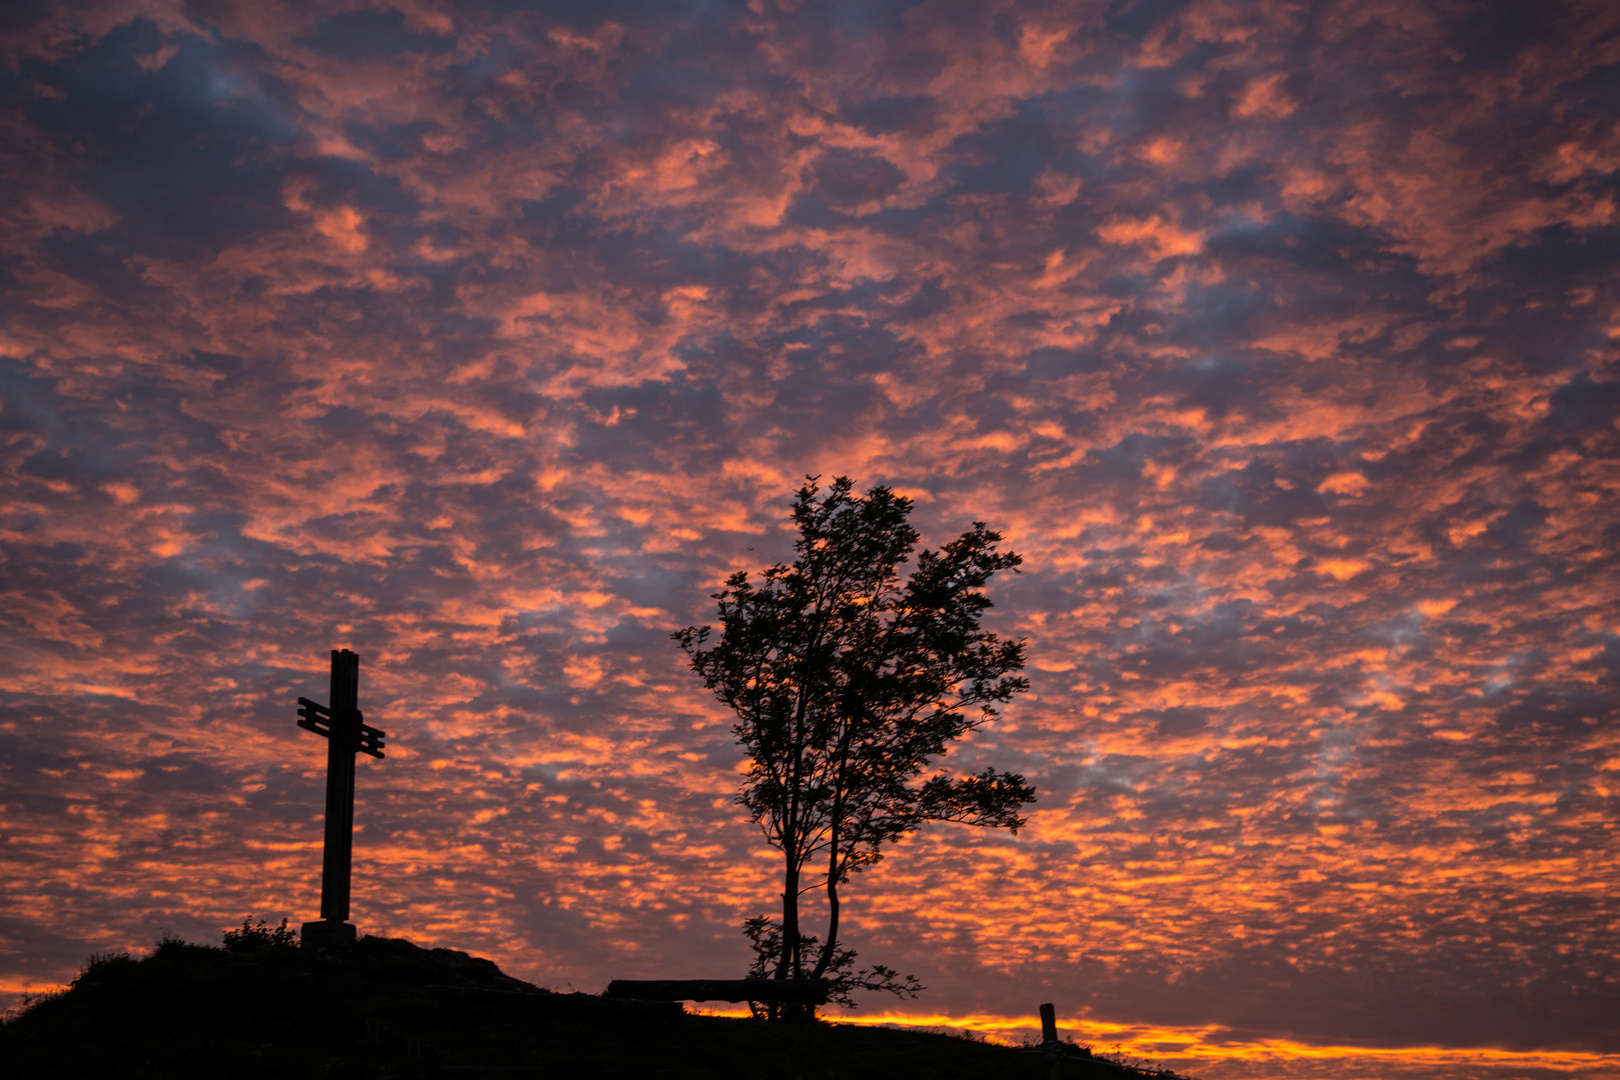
[{"x": 262, "y": 1009}]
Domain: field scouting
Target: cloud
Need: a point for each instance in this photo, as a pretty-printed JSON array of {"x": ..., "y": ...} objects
[{"x": 488, "y": 343}]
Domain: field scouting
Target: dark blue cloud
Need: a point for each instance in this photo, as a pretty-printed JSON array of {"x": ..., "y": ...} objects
[{"x": 371, "y": 35}]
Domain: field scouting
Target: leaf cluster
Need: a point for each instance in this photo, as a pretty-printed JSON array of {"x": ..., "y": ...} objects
[{"x": 847, "y": 681}]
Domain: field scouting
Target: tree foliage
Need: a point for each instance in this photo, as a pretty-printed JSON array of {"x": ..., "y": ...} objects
[{"x": 847, "y": 682}]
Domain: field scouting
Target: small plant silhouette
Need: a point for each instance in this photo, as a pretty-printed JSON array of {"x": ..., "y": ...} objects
[
  {"x": 256, "y": 938},
  {"x": 171, "y": 944},
  {"x": 764, "y": 935},
  {"x": 99, "y": 964}
]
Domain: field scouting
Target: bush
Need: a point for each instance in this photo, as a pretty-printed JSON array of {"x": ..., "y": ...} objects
[
  {"x": 170, "y": 944},
  {"x": 251, "y": 938},
  {"x": 101, "y": 964}
]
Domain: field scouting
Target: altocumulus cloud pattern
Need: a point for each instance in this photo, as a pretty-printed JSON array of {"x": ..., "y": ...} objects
[{"x": 487, "y": 339}]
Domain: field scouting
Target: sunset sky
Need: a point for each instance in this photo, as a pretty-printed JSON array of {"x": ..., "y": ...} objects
[{"x": 486, "y": 339}]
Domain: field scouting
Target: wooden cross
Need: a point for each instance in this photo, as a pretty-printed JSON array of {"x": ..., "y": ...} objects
[{"x": 346, "y": 735}]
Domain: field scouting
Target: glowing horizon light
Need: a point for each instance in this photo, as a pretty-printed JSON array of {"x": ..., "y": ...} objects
[{"x": 1199, "y": 1048}]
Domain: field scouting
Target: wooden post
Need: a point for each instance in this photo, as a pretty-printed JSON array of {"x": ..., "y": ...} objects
[
  {"x": 346, "y": 734},
  {"x": 1049, "y": 1039},
  {"x": 341, "y": 745}
]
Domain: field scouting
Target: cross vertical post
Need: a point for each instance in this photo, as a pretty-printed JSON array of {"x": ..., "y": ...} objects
[
  {"x": 340, "y": 747},
  {"x": 346, "y": 734}
]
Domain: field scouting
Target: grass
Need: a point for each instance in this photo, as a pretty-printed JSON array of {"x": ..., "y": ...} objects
[{"x": 388, "y": 1009}]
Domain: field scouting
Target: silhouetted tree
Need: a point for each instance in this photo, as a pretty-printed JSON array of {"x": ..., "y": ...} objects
[{"x": 846, "y": 683}]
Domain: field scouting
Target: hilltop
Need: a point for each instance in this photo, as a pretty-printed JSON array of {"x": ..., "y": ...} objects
[{"x": 386, "y": 1008}]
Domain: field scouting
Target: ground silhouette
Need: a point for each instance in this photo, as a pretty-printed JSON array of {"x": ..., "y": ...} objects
[{"x": 387, "y": 1008}]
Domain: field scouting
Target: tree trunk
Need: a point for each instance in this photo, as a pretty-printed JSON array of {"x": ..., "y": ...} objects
[
  {"x": 832, "y": 855},
  {"x": 791, "y": 964},
  {"x": 788, "y": 966},
  {"x": 832, "y": 911},
  {"x": 832, "y": 931}
]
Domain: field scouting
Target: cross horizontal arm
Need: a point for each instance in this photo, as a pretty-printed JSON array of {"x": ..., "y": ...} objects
[
  {"x": 318, "y": 718},
  {"x": 315, "y": 717},
  {"x": 315, "y": 726},
  {"x": 371, "y": 740}
]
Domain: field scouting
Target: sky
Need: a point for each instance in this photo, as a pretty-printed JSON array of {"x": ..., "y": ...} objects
[{"x": 487, "y": 339}]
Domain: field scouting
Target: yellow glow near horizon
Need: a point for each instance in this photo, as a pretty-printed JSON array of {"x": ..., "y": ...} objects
[{"x": 1179, "y": 1048}]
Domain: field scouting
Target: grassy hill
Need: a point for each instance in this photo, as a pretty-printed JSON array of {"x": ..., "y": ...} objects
[{"x": 387, "y": 1008}]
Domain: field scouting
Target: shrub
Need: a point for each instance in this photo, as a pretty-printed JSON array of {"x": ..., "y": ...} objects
[
  {"x": 256, "y": 938},
  {"x": 102, "y": 964},
  {"x": 170, "y": 944}
]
